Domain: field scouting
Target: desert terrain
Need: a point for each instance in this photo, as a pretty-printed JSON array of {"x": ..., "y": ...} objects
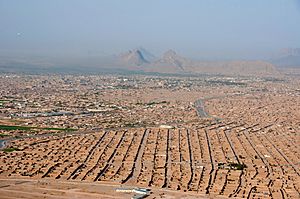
[{"x": 180, "y": 137}]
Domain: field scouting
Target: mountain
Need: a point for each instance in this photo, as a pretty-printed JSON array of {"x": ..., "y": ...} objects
[
  {"x": 171, "y": 62},
  {"x": 133, "y": 57},
  {"x": 290, "y": 52},
  {"x": 241, "y": 68},
  {"x": 146, "y": 54},
  {"x": 172, "y": 58},
  {"x": 140, "y": 60},
  {"x": 288, "y": 57}
]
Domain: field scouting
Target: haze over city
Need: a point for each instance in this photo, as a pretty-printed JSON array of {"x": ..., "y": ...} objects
[
  {"x": 206, "y": 30},
  {"x": 149, "y": 99}
]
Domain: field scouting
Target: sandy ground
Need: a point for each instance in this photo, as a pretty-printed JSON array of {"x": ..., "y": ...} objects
[{"x": 51, "y": 189}]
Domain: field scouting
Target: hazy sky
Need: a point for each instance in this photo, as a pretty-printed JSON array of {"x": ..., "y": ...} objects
[{"x": 206, "y": 29}]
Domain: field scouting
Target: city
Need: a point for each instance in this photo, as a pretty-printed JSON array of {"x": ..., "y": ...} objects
[
  {"x": 211, "y": 136},
  {"x": 151, "y": 99}
]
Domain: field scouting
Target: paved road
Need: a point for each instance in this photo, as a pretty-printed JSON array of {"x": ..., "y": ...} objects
[
  {"x": 80, "y": 132},
  {"x": 199, "y": 105},
  {"x": 2, "y": 143}
]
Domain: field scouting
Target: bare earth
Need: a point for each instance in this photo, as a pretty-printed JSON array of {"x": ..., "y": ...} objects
[{"x": 217, "y": 138}]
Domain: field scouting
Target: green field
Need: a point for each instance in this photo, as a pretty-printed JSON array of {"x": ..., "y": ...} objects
[
  {"x": 28, "y": 128},
  {"x": 10, "y": 150},
  {"x": 3, "y": 135}
]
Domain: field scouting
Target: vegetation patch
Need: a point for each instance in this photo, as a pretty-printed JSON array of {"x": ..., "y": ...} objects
[
  {"x": 11, "y": 128},
  {"x": 237, "y": 166},
  {"x": 28, "y": 128},
  {"x": 8, "y": 150},
  {"x": 58, "y": 129},
  {"x": 227, "y": 83},
  {"x": 152, "y": 103},
  {"x": 3, "y": 135}
]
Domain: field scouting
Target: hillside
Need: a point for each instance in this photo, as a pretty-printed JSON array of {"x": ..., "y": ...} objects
[
  {"x": 288, "y": 57},
  {"x": 172, "y": 62},
  {"x": 138, "y": 60}
]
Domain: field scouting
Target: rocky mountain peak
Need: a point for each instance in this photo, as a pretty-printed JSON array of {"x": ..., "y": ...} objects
[
  {"x": 290, "y": 52},
  {"x": 170, "y": 54},
  {"x": 134, "y": 57},
  {"x": 146, "y": 54}
]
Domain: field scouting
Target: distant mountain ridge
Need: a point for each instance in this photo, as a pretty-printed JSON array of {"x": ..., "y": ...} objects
[
  {"x": 134, "y": 57},
  {"x": 288, "y": 57},
  {"x": 171, "y": 62},
  {"x": 139, "y": 60},
  {"x": 146, "y": 54},
  {"x": 290, "y": 52}
]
